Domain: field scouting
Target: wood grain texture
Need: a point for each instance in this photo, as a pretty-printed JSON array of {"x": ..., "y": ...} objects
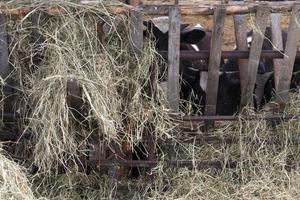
[
  {"x": 136, "y": 29},
  {"x": 173, "y": 58},
  {"x": 277, "y": 44},
  {"x": 262, "y": 19},
  {"x": 215, "y": 61},
  {"x": 289, "y": 58},
  {"x": 241, "y": 43}
]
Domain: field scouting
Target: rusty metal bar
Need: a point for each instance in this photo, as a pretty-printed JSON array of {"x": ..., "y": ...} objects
[
  {"x": 204, "y": 54},
  {"x": 196, "y": 164},
  {"x": 200, "y": 118},
  {"x": 283, "y": 117}
]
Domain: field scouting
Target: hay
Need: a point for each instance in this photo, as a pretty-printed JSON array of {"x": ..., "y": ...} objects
[
  {"x": 112, "y": 79},
  {"x": 116, "y": 108},
  {"x": 13, "y": 180}
]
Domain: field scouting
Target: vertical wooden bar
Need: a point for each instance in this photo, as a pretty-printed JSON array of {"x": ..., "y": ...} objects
[
  {"x": 215, "y": 61},
  {"x": 38, "y": 18},
  {"x": 277, "y": 44},
  {"x": 5, "y": 68},
  {"x": 289, "y": 58},
  {"x": 136, "y": 17},
  {"x": 262, "y": 19},
  {"x": 241, "y": 43},
  {"x": 173, "y": 58}
]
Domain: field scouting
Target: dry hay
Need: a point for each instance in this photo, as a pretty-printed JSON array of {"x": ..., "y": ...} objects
[
  {"x": 14, "y": 183},
  {"x": 112, "y": 79}
]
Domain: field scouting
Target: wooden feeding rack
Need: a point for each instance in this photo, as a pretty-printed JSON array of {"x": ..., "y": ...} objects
[
  {"x": 283, "y": 58},
  {"x": 248, "y": 63}
]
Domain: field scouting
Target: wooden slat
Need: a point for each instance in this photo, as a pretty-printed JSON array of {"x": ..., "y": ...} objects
[
  {"x": 277, "y": 43},
  {"x": 38, "y": 19},
  {"x": 4, "y": 66},
  {"x": 241, "y": 43},
  {"x": 289, "y": 59},
  {"x": 215, "y": 61},
  {"x": 262, "y": 19},
  {"x": 136, "y": 18},
  {"x": 5, "y": 69},
  {"x": 173, "y": 58}
]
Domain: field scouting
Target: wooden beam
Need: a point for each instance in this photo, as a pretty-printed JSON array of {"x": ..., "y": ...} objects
[
  {"x": 277, "y": 44},
  {"x": 38, "y": 18},
  {"x": 4, "y": 66},
  {"x": 262, "y": 18},
  {"x": 173, "y": 58},
  {"x": 241, "y": 43},
  {"x": 136, "y": 29},
  {"x": 289, "y": 58},
  {"x": 215, "y": 61},
  {"x": 232, "y": 8},
  {"x": 5, "y": 69}
]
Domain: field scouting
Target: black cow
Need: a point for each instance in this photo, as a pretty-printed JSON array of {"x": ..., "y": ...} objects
[
  {"x": 265, "y": 77},
  {"x": 267, "y": 45},
  {"x": 194, "y": 81}
]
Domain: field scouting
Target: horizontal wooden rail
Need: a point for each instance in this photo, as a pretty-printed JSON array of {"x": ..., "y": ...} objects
[
  {"x": 232, "y": 8},
  {"x": 204, "y": 54},
  {"x": 186, "y": 9}
]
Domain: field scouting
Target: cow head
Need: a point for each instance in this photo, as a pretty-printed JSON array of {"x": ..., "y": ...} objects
[{"x": 159, "y": 27}]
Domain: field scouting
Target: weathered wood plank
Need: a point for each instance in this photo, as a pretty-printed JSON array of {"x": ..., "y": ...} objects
[
  {"x": 241, "y": 43},
  {"x": 136, "y": 18},
  {"x": 5, "y": 68},
  {"x": 277, "y": 43},
  {"x": 173, "y": 58},
  {"x": 289, "y": 58},
  {"x": 262, "y": 19},
  {"x": 233, "y": 8},
  {"x": 215, "y": 61},
  {"x": 38, "y": 18}
]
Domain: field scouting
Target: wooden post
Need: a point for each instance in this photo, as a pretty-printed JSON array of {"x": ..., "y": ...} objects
[
  {"x": 136, "y": 29},
  {"x": 262, "y": 16},
  {"x": 289, "y": 58},
  {"x": 277, "y": 44},
  {"x": 215, "y": 61},
  {"x": 38, "y": 18},
  {"x": 5, "y": 68},
  {"x": 241, "y": 43},
  {"x": 173, "y": 58}
]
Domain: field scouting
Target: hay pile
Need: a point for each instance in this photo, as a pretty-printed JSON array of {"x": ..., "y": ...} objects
[
  {"x": 113, "y": 82},
  {"x": 14, "y": 183},
  {"x": 115, "y": 107},
  {"x": 112, "y": 79},
  {"x": 267, "y": 163}
]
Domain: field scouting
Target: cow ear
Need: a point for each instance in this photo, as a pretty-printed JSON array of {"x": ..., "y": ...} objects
[
  {"x": 149, "y": 27},
  {"x": 192, "y": 35}
]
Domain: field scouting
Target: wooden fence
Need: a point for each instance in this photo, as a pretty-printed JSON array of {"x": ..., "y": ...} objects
[{"x": 283, "y": 58}]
